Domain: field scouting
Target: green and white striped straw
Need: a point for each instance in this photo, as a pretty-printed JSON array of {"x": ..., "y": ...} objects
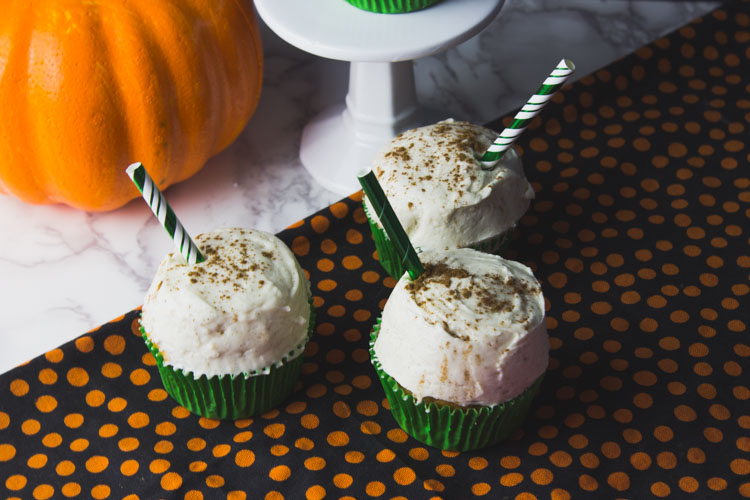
[
  {"x": 533, "y": 106},
  {"x": 163, "y": 212},
  {"x": 391, "y": 224}
]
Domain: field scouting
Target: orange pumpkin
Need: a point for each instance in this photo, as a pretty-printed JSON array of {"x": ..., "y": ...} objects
[{"x": 86, "y": 88}]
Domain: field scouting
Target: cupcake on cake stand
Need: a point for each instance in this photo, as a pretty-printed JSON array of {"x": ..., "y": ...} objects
[{"x": 381, "y": 99}]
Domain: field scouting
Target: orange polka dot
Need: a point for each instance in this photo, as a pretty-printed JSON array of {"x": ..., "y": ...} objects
[
  {"x": 362, "y": 382},
  {"x": 660, "y": 489},
  {"x": 19, "y": 387},
  {"x": 309, "y": 421},
  {"x": 320, "y": 224},
  {"x": 375, "y": 488},
  {"x": 139, "y": 376},
  {"x": 7, "y": 452},
  {"x": 352, "y": 262},
  {"x": 542, "y": 476},
  {"x": 197, "y": 466},
  {"x": 280, "y": 473},
  {"x": 171, "y": 481},
  {"x": 300, "y": 246},
  {"x": 315, "y": 463},
  {"x": 354, "y": 457},
  {"x": 619, "y": 481},
  {"x": 129, "y": 467},
  {"x": 79, "y": 444},
  {"x": 336, "y": 311},
  {"x": 47, "y": 376},
  {"x": 404, "y": 476},
  {"x": 97, "y": 464},
  {"x": 342, "y": 480},
  {"x": 221, "y": 450},
  {"x": 328, "y": 246},
  {"x": 370, "y": 277},
  {"x": 111, "y": 370},
  {"x": 54, "y": 356},
  {"x": 354, "y": 237},
  {"x": 43, "y": 492},
  {"x": 338, "y": 438},
  {"x": 128, "y": 444},
  {"x": 385, "y": 455},
  {"x": 117, "y": 404},
  {"x": 480, "y": 489},
  {"x": 315, "y": 492},
  {"x": 108, "y": 430},
  {"x": 325, "y": 265},
  {"x": 15, "y": 482},
  {"x": 339, "y": 209},
  {"x": 65, "y": 468},
  {"x": 279, "y": 450},
  {"x": 84, "y": 344},
  {"x": 215, "y": 481},
  {"x": 274, "y": 431},
  {"x": 114, "y": 344},
  {"x": 46, "y": 403}
]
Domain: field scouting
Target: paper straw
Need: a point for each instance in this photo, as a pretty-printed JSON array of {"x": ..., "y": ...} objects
[
  {"x": 391, "y": 224},
  {"x": 163, "y": 212},
  {"x": 527, "y": 113}
]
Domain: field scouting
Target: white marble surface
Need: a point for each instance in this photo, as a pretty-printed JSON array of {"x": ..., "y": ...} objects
[{"x": 64, "y": 271}]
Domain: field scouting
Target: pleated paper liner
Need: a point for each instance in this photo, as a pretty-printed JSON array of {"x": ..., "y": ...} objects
[
  {"x": 392, "y": 6},
  {"x": 447, "y": 427},
  {"x": 232, "y": 397},
  {"x": 391, "y": 262}
]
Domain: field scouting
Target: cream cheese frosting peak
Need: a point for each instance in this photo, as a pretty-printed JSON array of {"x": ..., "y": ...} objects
[
  {"x": 439, "y": 190},
  {"x": 243, "y": 309},
  {"x": 470, "y": 330}
]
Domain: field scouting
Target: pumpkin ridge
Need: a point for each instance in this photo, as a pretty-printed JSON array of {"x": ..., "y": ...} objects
[
  {"x": 92, "y": 136},
  {"x": 256, "y": 64},
  {"x": 233, "y": 73},
  {"x": 193, "y": 115},
  {"x": 211, "y": 53},
  {"x": 237, "y": 77},
  {"x": 140, "y": 66},
  {"x": 252, "y": 27},
  {"x": 176, "y": 152},
  {"x": 108, "y": 174},
  {"x": 14, "y": 172}
]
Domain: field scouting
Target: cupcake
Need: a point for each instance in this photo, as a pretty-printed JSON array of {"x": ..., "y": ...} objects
[
  {"x": 228, "y": 333},
  {"x": 441, "y": 194},
  {"x": 392, "y": 6},
  {"x": 461, "y": 350}
]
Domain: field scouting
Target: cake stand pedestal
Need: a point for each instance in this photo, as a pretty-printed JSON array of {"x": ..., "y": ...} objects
[{"x": 381, "y": 100}]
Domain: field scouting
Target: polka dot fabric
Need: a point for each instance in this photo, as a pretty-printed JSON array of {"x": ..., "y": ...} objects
[{"x": 639, "y": 234}]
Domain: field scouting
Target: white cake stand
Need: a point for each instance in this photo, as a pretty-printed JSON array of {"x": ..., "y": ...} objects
[{"x": 381, "y": 100}]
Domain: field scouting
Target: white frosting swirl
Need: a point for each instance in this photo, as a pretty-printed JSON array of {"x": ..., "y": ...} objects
[
  {"x": 469, "y": 331},
  {"x": 439, "y": 191},
  {"x": 243, "y": 309}
]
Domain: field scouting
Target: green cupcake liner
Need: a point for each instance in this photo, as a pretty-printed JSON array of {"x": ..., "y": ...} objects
[
  {"x": 232, "y": 397},
  {"x": 391, "y": 261},
  {"x": 450, "y": 428},
  {"x": 392, "y": 6}
]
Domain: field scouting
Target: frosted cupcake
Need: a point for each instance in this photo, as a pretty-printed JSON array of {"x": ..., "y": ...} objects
[
  {"x": 442, "y": 195},
  {"x": 392, "y": 6},
  {"x": 228, "y": 333},
  {"x": 461, "y": 350}
]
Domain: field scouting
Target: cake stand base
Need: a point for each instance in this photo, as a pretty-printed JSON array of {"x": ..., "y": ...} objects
[{"x": 381, "y": 100}]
